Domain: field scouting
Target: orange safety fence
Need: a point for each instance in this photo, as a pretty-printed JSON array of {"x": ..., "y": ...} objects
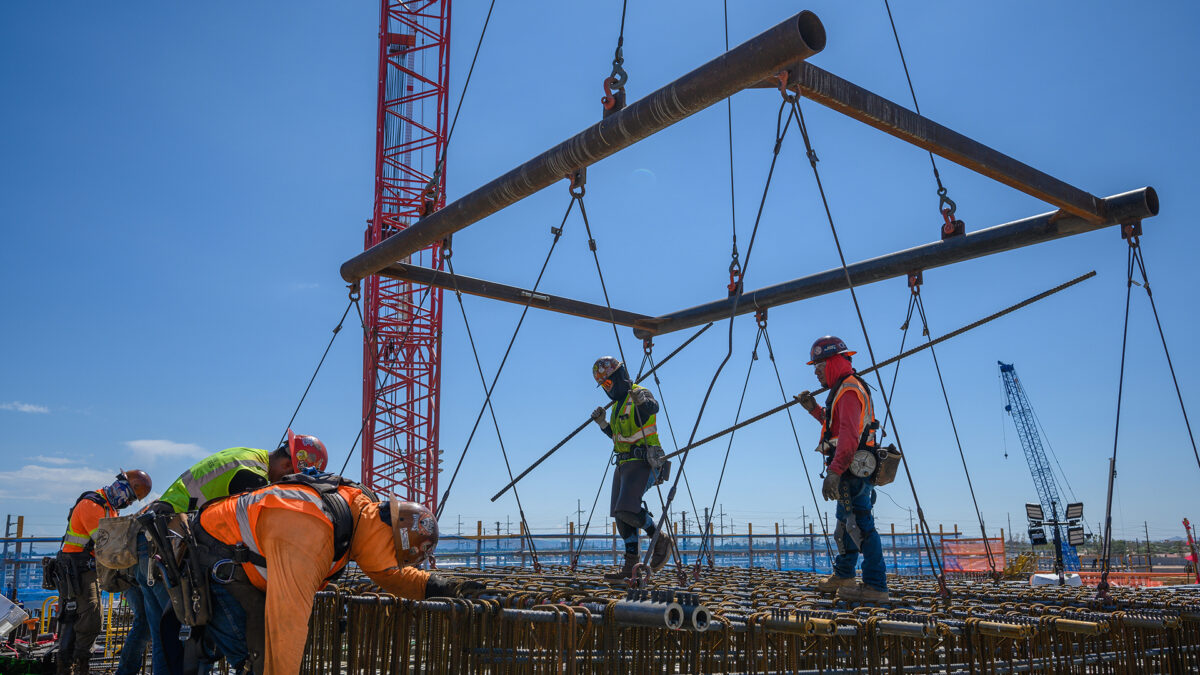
[
  {"x": 970, "y": 555},
  {"x": 1141, "y": 579}
]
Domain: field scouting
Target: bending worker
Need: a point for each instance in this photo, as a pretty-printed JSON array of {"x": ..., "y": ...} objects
[
  {"x": 631, "y": 426},
  {"x": 292, "y": 537},
  {"x": 848, "y": 425},
  {"x": 227, "y": 472},
  {"x": 78, "y": 593}
]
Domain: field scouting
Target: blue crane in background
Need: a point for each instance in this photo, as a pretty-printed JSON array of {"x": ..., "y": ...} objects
[{"x": 1018, "y": 407}]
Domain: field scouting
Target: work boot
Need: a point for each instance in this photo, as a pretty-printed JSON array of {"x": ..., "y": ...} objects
[
  {"x": 862, "y": 593},
  {"x": 625, "y": 572},
  {"x": 662, "y": 551},
  {"x": 834, "y": 583}
]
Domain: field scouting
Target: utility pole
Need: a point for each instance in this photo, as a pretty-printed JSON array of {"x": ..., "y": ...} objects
[
  {"x": 508, "y": 525},
  {"x": 803, "y": 519},
  {"x": 1010, "y": 530},
  {"x": 910, "y": 521},
  {"x": 722, "y": 517},
  {"x": 684, "y": 522},
  {"x": 1149, "y": 555},
  {"x": 460, "y": 524},
  {"x": 578, "y": 511}
]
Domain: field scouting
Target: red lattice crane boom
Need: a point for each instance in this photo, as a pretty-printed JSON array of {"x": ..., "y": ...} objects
[{"x": 402, "y": 347}]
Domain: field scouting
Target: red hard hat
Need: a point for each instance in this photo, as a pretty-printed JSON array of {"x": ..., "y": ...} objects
[
  {"x": 306, "y": 451},
  {"x": 138, "y": 480},
  {"x": 414, "y": 531},
  {"x": 826, "y": 347}
]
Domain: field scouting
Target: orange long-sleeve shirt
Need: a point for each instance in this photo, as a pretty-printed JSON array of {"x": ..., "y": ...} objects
[
  {"x": 85, "y": 519},
  {"x": 299, "y": 552}
]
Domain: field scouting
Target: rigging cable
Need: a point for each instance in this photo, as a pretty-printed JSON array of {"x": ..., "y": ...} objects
[
  {"x": 354, "y": 295},
  {"x": 557, "y": 232},
  {"x": 931, "y": 549}
]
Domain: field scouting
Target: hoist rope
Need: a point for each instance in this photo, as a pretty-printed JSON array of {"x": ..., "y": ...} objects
[
  {"x": 729, "y": 120},
  {"x": 447, "y": 257},
  {"x": 557, "y": 233},
  {"x": 799, "y": 447},
  {"x": 912, "y": 305},
  {"x": 936, "y": 176},
  {"x": 903, "y": 355},
  {"x": 781, "y": 128},
  {"x": 662, "y": 402},
  {"x": 931, "y": 549},
  {"x": 704, "y": 538},
  {"x": 1106, "y": 547},
  {"x": 336, "y": 329},
  {"x": 920, "y": 303}
]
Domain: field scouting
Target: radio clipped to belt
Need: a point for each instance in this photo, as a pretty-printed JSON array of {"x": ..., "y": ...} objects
[{"x": 652, "y": 455}]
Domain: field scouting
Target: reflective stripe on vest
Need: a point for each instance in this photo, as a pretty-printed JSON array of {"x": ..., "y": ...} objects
[
  {"x": 82, "y": 539},
  {"x": 851, "y": 385},
  {"x": 209, "y": 478},
  {"x": 625, "y": 433},
  {"x": 244, "y": 502}
]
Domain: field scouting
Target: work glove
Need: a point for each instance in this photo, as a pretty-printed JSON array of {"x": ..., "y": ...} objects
[
  {"x": 829, "y": 490},
  {"x": 599, "y": 417},
  {"x": 806, "y": 399},
  {"x": 160, "y": 508},
  {"x": 445, "y": 587},
  {"x": 640, "y": 396}
]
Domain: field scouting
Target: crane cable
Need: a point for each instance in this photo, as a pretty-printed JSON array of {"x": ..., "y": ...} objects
[
  {"x": 780, "y": 133},
  {"x": 557, "y": 234},
  {"x": 354, "y": 296},
  {"x": 931, "y": 549}
]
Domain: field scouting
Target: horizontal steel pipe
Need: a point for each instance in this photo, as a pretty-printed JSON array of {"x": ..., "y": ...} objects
[
  {"x": 864, "y": 106},
  {"x": 1123, "y": 208},
  {"x": 520, "y": 296},
  {"x": 650, "y": 614},
  {"x": 795, "y": 39}
]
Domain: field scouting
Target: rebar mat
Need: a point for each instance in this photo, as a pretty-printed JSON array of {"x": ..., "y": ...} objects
[{"x": 737, "y": 620}]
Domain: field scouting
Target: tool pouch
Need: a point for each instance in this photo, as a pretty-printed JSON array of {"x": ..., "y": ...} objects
[
  {"x": 49, "y": 573},
  {"x": 657, "y": 460},
  {"x": 889, "y": 465},
  {"x": 191, "y": 597}
]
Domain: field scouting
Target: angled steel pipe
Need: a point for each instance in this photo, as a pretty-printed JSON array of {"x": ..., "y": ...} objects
[
  {"x": 742, "y": 67},
  {"x": 1124, "y": 208},
  {"x": 874, "y": 110},
  {"x": 483, "y": 288}
]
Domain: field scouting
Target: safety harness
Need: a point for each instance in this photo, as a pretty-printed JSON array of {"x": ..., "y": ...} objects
[
  {"x": 95, "y": 498},
  {"x": 867, "y": 443}
]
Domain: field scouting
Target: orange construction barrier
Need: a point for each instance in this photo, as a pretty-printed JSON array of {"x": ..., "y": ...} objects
[
  {"x": 970, "y": 555},
  {"x": 1137, "y": 579}
]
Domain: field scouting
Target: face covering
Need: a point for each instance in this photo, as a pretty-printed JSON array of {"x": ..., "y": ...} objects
[
  {"x": 621, "y": 385},
  {"x": 120, "y": 494}
]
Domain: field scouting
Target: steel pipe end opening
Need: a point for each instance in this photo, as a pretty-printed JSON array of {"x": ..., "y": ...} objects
[
  {"x": 812, "y": 31},
  {"x": 1151, "y": 201},
  {"x": 674, "y": 616},
  {"x": 701, "y": 617}
]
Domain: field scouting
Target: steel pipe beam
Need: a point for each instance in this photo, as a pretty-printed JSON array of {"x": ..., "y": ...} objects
[
  {"x": 872, "y": 109},
  {"x": 1124, "y": 208},
  {"x": 742, "y": 67},
  {"x": 489, "y": 289}
]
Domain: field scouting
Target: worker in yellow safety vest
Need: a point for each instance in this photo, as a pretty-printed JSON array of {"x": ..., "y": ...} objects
[{"x": 637, "y": 453}]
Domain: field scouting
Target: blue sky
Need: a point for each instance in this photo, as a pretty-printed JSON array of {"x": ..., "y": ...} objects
[{"x": 180, "y": 185}]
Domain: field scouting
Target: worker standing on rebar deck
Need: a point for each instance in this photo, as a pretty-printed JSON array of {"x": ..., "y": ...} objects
[
  {"x": 631, "y": 426},
  {"x": 304, "y": 530},
  {"x": 228, "y": 472},
  {"x": 847, "y": 426},
  {"x": 78, "y": 592}
]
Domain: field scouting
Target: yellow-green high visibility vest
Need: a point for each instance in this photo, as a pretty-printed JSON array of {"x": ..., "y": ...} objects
[
  {"x": 209, "y": 478},
  {"x": 626, "y": 432}
]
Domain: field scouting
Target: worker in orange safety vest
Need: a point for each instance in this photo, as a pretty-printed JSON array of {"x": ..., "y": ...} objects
[
  {"x": 273, "y": 548},
  {"x": 848, "y": 427},
  {"x": 78, "y": 592}
]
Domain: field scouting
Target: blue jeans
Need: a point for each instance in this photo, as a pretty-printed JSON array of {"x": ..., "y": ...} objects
[
  {"x": 133, "y": 652},
  {"x": 154, "y": 602},
  {"x": 227, "y": 627},
  {"x": 861, "y": 496}
]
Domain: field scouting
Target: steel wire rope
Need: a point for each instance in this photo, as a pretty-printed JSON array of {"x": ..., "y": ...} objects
[
  {"x": 557, "y": 232},
  {"x": 447, "y": 256},
  {"x": 1053, "y": 454},
  {"x": 1106, "y": 546},
  {"x": 931, "y": 549},
  {"x": 920, "y": 303},
  {"x": 439, "y": 167},
  {"x": 578, "y": 196},
  {"x": 704, "y": 539},
  {"x": 896, "y": 373},
  {"x": 1141, "y": 263},
  {"x": 732, "y": 192},
  {"x": 941, "y": 191},
  {"x": 336, "y": 329},
  {"x": 375, "y": 400},
  {"x": 781, "y": 128},
  {"x": 799, "y": 448}
]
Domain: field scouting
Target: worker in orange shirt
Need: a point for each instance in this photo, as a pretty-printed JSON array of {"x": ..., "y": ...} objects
[
  {"x": 272, "y": 549},
  {"x": 78, "y": 593}
]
